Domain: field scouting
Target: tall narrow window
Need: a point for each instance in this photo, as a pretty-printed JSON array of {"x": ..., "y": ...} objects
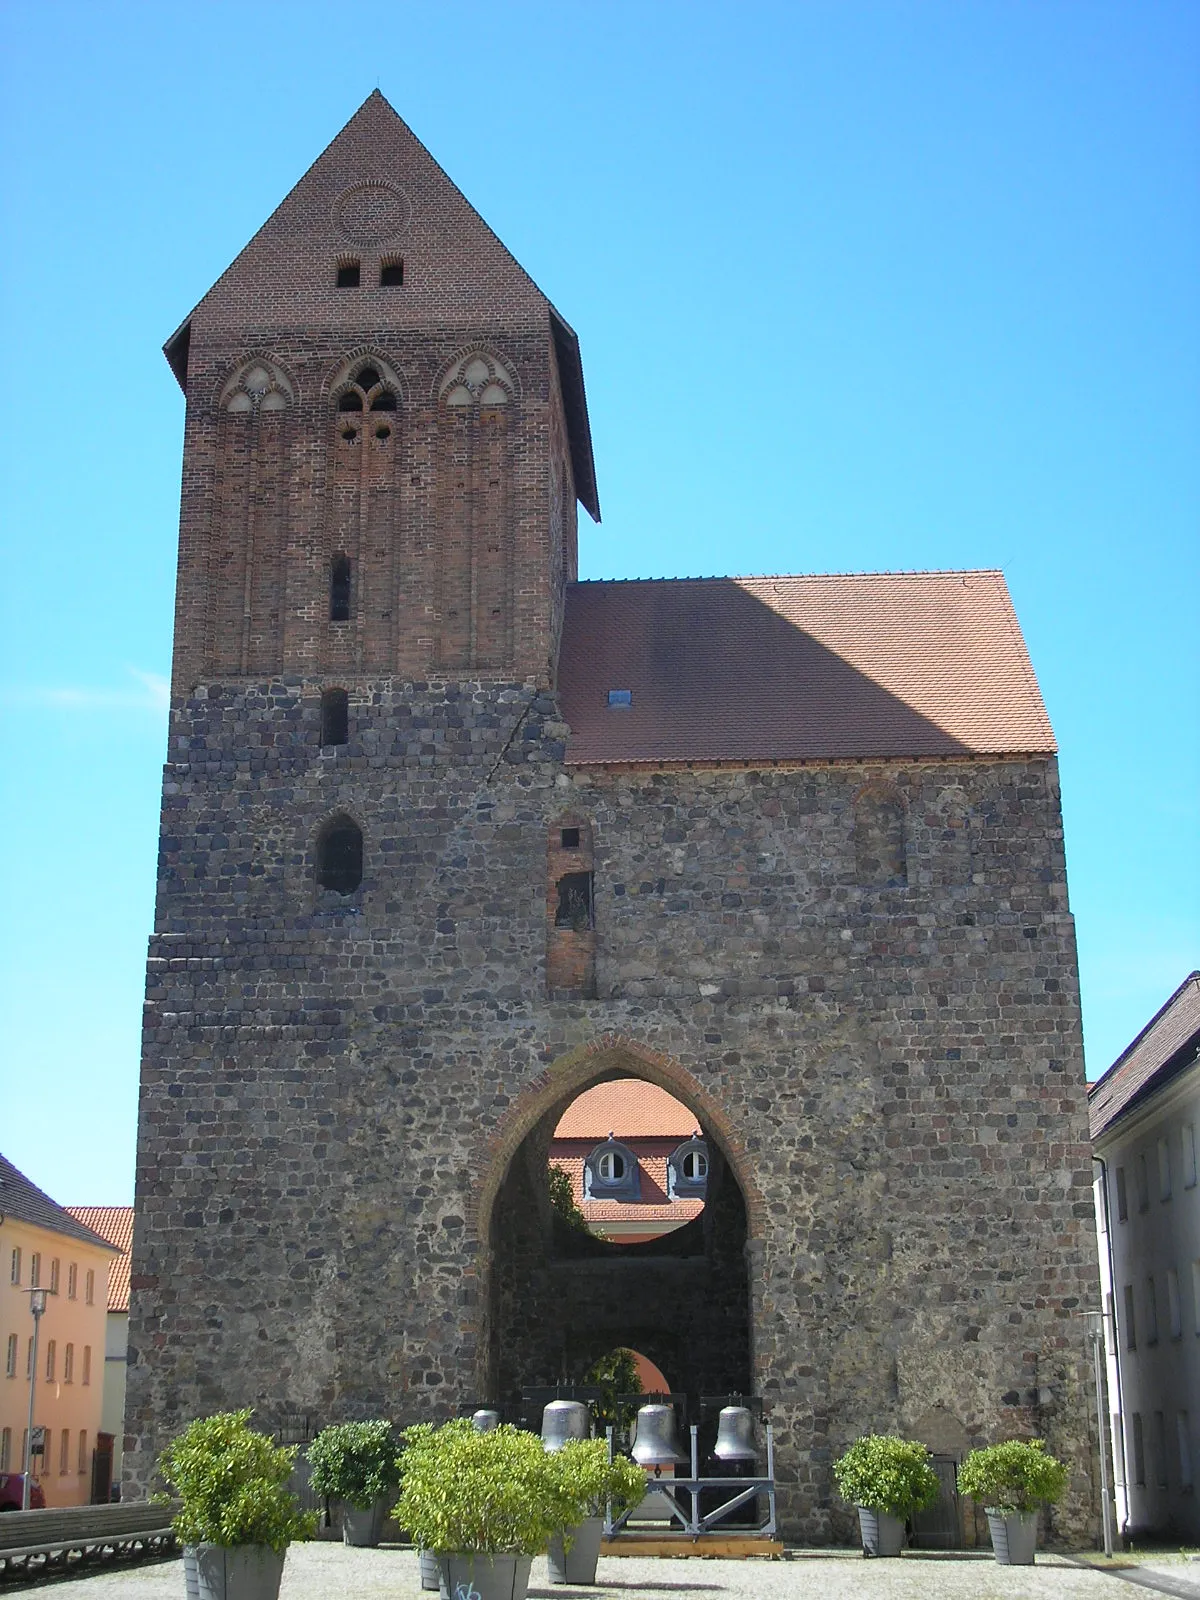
[
  {"x": 5, "y": 1449},
  {"x": 340, "y": 856},
  {"x": 1173, "y": 1310},
  {"x": 1143, "y": 1183},
  {"x": 1122, "y": 1197},
  {"x": 35, "y": 1269},
  {"x": 51, "y": 1359},
  {"x": 1183, "y": 1438},
  {"x": 72, "y": 1280},
  {"x": 1130, "y": 1319},
  {"x": 87, "y": 1364},
  {"x": 335, "y": 716},
  {"x": 83, "y": 1450},
  {"x": 1160, "y": 1449},
  {"x": 64, "y": 1453},
  {"x": 339, "y": 588},
  {"x": 1151, "y": 1312},
  {"x": 89, "y": 1292},
  {"x": 1189, "y": 1155},
  {"x": 10, "y": 1357},
  {"x": 1139, "y": 1451},
  {"x": 69, "y": 1364},
  {"x": 54, "y": 1275},
  {"x": 1164, "y": 1170}
]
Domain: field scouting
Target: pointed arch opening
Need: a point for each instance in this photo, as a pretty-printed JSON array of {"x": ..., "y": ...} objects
[{"x": 673, "y": 1285}]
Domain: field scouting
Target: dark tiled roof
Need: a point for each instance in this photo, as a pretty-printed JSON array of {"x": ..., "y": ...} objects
[
  {"x": 114, "y": 1223},
  {"x": 858, "y": 666},
  {"x": 25, "y": 1201},
  {"x": 1167, "y": 1044}
]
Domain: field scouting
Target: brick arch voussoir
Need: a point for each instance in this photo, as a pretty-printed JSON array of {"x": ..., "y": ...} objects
[
  {"x": 878, "y": 788},
  {"x": 569, "y": 1076},
  {"x": 257, "y": 357},
  {"x": 340, "y": 375},
  {"x": 478, "y": 347}
]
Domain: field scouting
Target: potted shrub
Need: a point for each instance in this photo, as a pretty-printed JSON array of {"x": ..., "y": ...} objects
[
  {"x": 887, "y": 1479},
  {"x": 237, "y": 1517},
  {"x": 483, "y": 1503},
  {"x": 355, "y": 1462},
  {"x": 584, "y": 1481},
  {"x": 1010, "y": 1481}
]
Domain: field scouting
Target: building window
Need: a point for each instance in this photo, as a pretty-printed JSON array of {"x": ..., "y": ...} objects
[
  {"x": 348, "y": 274},
  {"x": 87, "y": 1365},
  {"x": 1139, "y": 1451},
  {"x": 1183, "y": 1439},
  {"x": 83, "y": 1451},
  {"x": 391, "y": 272},
  {"x": 340, "y": 856},
  {"x": 72, "y": 1280},
  {"x": 1130, "y": 1321},
  {"x": 54, "y": 1275},
  {"x": 1143, "y": 1183},
  {"x": 64, "y": 1453},
  {"x": 89, "y": 1287},
  {"x": 10, "y": 1357},
  {"x": 1174, "y": 1314},
  {"x": 1164, "y": 1170},
  {"x": 575, "y": 907},
  {"x": 687, "y": 1170},
  {"x": 1122, "y": 1197},
  {"x": 570, "y": 838},
  {"x": 1151, "y": 1312},
  {"x": 611, "y": 1173},
  {"x": 35, "y": 1269},
  {"x": 1189, "y": 1155},
  {"x": 69, "y": 1364},
  {"x": 14, "y": 1271},
  {"x": 339, "y": 588},
  {"x": 5, "y": 1449},
  {"x": 335, "y": 716},
  {"x": 1160, "y": 1449},
  {"x": 51, "y": 1360}
]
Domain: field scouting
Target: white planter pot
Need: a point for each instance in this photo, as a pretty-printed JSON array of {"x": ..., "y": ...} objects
[
  {"x": 578, "y": 1564},
  {"x": 245, "y": 1572},
  {"x": 429, "y": 1567},
  {"x": 882, "y": 1535},
  {"x": 473, "y": 1575},
  {"x": 1014, "y": 1537},
  {"x": 363, "y": 1527}
]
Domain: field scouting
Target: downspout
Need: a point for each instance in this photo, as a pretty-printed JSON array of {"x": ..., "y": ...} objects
[{"x": 1100, "y": 1162}]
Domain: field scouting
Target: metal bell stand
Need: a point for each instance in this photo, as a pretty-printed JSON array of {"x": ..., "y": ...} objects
[{"x": 695, "y": 1525}]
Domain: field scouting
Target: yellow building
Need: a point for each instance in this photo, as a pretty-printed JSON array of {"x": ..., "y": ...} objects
[
  {"x": 42, "y": 1246},
  {"x": 114, "y": 1223}
]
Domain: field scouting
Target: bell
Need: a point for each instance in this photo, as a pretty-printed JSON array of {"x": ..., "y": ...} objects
[
  {"x": 485, "y": 1419},
  {"x": 656, "y": 1439},
  {"x": 735, "y": 1435},
  {"x": 562, "y": 1421}
]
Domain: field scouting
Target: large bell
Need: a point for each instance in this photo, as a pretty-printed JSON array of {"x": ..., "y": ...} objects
[
  {"x": 485, "y": 1419},
  {"x": 735, "y": 1435},
  {"x": 656, "y": 1438},
  {"x": 562, "y": 1421}
]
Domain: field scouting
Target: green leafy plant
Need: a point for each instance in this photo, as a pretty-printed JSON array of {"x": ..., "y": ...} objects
[
  {"x": 355, "y": 1462},
  {"x": 232, "y": 1482},
  {"x": 883, "y": 1473},
  {"x": 562, "y": 1197},
  {"x": 1014, "y": 1476},
  {"x": 616, "y": 1373},
  {"x": 487, "y": 1492},
  {"x": 583, "y": 1480}
]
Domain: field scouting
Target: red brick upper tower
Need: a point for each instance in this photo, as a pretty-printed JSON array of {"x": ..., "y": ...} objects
[{"x": 386, "y": 437}]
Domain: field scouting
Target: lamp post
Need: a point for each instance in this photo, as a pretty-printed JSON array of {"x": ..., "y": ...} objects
[{"x": 37, "y": 1305}]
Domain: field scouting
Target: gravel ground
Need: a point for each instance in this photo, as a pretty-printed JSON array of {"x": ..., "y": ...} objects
[{"x": 328, "y": 1571}]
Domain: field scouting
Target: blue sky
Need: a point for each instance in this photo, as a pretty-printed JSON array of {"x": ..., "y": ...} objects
[{"x": 858, "y": 286}]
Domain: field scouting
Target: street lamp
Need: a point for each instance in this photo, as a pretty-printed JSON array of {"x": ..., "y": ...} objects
[{"x": 37, "y": 1305}]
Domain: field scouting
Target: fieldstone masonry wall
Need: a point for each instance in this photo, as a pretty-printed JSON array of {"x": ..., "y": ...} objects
[{"x": 336, "y": 1086}]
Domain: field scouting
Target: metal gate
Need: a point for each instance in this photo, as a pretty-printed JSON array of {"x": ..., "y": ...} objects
[{"x": 940, "y": 1528}]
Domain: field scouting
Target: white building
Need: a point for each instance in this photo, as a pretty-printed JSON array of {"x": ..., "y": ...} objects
[{"x": 1145, "y": 1113}]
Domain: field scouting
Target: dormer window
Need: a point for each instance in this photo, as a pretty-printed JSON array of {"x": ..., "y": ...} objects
[
  {"x": 611, "y": 1172},
  {"x": 687, "y": 1170}
]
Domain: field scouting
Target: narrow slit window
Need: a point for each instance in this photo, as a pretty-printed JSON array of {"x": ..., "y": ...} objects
[
  {"x": 391, "y": 274},
  {"x": 348, "y": 275},
  {"x": 340, "y": 856},
  {"x": 575, "y": 909},
  {"x": 335, "y": 716},
  {"x": 339, "y": 589}
]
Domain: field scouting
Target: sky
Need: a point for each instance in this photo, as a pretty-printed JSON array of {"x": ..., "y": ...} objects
[{"x": 858, "y": 286}]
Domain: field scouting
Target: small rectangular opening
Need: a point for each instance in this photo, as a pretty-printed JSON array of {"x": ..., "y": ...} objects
[
  {"x": 391, "y": 274},
  {"x": 620, "y": 697},
  {"x": 570, "y": 838},
  {"x": 348, "y": 275},
  {"x": 339, "y": 589},
  {"x": 335, "y": 717}
]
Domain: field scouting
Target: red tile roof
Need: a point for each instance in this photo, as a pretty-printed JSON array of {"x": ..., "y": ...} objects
[
  {"x": 629, "y": 1107},
  {"x": 856, "y": 666},
  {"x": 114, "y": 1223},
  {"x": 21, "y": 1199},
  {"x": 1169, "y": 1042},
  {"x": 664, "y": 1210}
]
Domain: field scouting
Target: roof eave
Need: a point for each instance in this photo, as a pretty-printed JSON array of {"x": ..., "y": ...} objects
[
  {"x": 579, "y": 429},
  {"x": 176, "y": 352}
]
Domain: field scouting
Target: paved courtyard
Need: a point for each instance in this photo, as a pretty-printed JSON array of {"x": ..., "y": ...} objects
[{"x": 327, "y": 1571}]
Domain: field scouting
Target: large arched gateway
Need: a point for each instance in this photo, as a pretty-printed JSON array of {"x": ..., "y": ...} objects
[{"x": 448, "y": 835}]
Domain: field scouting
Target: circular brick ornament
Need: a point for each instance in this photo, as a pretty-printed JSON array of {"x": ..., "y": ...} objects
[{"x": 369, "y": 213}]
